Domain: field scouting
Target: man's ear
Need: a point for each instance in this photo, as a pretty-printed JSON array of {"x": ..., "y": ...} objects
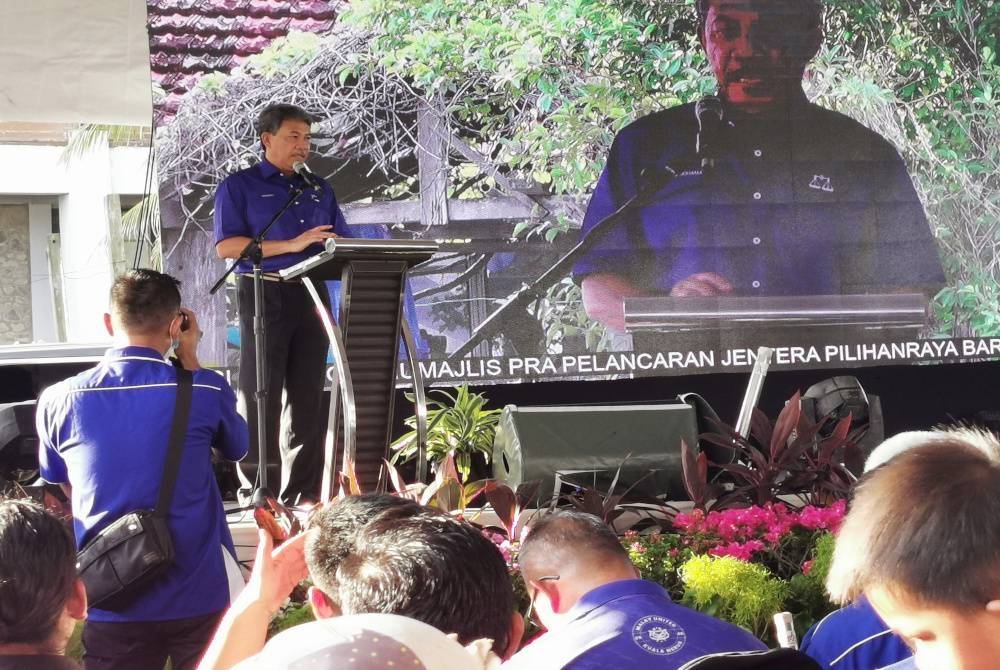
[
  {"x": 109, "y": 325},
  {"x": 516, "y": 633},
  {"x": 321, "y": 606},
  {"x": 174, "y": 329},
  {"x": 76, "y": 606},
  {"x": 550, "y": 587}
]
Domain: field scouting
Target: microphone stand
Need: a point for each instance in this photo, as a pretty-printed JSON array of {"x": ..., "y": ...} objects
[
  {"x": 254, "y": 252},
  {"x": 529, "y": 292}
]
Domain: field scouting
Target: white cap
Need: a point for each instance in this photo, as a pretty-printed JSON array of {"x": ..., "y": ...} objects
[{"x": 368, "y": 642}]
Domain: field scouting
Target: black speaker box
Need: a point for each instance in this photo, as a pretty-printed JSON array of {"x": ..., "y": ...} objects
[{"x": 588, "y": 445}]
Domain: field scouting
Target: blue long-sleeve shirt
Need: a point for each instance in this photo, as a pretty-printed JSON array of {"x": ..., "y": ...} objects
[
  {"x": 247, "y": 200},
  {"x": 808, "y": 202}
]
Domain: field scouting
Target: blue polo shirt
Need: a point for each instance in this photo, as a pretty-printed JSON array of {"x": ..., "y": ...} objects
[
  {"x": 105, "y": 433},
  {"x": 854, "y": 638},
  {"x": 631, "y": 624},
  {"x": 808, "y": 202},
  {"x": 246, "y": 201}
]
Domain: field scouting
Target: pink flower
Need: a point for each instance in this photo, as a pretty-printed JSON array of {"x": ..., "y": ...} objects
[
  {"x": 744, "y": 551},
  {"x": 807, "y": 567}
]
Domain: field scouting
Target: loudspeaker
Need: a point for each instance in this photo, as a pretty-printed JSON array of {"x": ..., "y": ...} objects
[
  {"x": 587, "y": 445},
  {"x": 836, "y": 398}
]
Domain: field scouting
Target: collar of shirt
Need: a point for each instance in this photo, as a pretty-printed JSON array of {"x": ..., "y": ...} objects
[
  {"x": 605, "y": 593},
  {"x": 132, "y": 351},
  {"x": 267, "y": 169},
  {"x": 269, "y": 172}
]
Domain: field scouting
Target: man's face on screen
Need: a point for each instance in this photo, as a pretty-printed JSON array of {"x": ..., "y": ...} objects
[{"x": 758, "y": 50}]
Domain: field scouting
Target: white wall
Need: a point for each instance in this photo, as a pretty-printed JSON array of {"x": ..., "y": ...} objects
[{"x": 79, "y": 188}]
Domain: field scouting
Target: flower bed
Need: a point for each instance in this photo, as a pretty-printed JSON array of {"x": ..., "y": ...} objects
[{"x": 743, "y": 565}]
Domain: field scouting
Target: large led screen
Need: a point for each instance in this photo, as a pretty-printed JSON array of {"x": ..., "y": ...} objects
[{"x": 619, "y": 188}]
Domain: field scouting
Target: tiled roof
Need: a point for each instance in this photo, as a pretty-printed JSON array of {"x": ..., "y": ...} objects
[{"x": 190, "y": 38}]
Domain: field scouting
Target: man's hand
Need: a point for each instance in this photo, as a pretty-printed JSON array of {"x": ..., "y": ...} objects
[
  {"x": 319, "y": 234},
  {"x": 188, "y": 337},
  {"x": 276, "y": 571},
  {"x": 243, "y": 629},
  {"x": 603, "y": 299},
  {"x": 702, "y": 284}
]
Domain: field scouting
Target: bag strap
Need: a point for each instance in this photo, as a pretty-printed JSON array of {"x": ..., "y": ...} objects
[{"x": 178, "y": 430}]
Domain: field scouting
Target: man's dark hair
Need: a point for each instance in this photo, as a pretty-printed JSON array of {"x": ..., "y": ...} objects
[
  {"x": 811, "y": 10},
  {"x": 432, "y": 568},
  {"x": 272, "y": 116},
  {"x": 145, "y": 300},
  {"x": 336, "y": 527},
  {"x": 37, "y": 571},
  {"x": 563, "y": 537},
  {"x": 924, "y": 525}
]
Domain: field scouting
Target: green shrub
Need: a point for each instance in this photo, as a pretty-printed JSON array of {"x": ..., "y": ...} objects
[{"x": 745, "y": 594}]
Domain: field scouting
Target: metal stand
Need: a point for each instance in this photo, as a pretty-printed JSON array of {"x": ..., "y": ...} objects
[{"x": 254, "y": 252}]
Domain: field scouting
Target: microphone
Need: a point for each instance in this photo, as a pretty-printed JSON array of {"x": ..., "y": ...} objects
[
  {"x": 302, "y": 170},
  {"x": 708, "y": 111}
]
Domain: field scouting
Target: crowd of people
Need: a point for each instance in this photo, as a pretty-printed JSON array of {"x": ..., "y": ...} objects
[{"x": 394, "y": 582}]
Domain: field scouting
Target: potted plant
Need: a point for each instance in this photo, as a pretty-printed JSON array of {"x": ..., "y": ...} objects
[{"x": 458, "y": 423}]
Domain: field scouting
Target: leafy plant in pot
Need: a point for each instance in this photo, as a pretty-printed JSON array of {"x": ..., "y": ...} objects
[
  {"x": 458, "y": 423},
  {"x": 790, "y": 458}
]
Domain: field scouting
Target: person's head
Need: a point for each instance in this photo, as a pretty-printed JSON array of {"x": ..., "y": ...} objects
[
  {"x": 566, "y": 554},
  {"x": 922, "y": 542},
  {"x": 41, "y": 596},
  {"x": 285, "y": 133},
  {"x": 432, "y": 568},
  {"x": 335, "y": 529},
  {"x": 145, "y": 306},
  {"x": 759, "y": 49}
]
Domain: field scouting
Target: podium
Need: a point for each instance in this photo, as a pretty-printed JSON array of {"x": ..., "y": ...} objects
[{"x": 365, "y": 344}]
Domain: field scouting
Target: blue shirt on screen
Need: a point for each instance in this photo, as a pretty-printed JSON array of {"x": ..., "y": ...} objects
[
  {"x": 105, "y": 432},
  {"x": 854, "y": 638},
  {"x": 631, "y": 624},
  {"x": 247, "y": 200},
  {"x": 808, "y": 202}
]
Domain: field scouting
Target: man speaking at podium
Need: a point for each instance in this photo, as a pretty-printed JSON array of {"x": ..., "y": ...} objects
[
  {"x": 773, "y": 195},
  {"x": 295, "y": 341}
]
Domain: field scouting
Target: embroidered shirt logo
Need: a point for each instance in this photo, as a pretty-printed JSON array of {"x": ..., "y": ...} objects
[
  {"x": 821, "y": 183},
  {"x": 658, "y": 635}
]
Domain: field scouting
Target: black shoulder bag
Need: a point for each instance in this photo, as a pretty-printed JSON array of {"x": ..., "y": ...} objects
[{"x": 121, "y": 561}]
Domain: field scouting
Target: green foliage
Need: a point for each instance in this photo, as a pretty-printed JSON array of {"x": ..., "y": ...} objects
[
  {"x": 745, "y": 594},
  {"x": 551, "y": 81},
  {"x": 807, "y": 598},
  {"x": 822, "y": 557},
  {"x": 293, "y": 614},
  {"x": 458, "y": 424},
  {"x": 286, "y": 56},
  {"x": 659, "y": 558},
  {"x": 563, "y": 317}
]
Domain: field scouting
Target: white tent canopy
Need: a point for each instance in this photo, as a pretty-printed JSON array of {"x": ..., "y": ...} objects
[{"x": 69, "y": 61}]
